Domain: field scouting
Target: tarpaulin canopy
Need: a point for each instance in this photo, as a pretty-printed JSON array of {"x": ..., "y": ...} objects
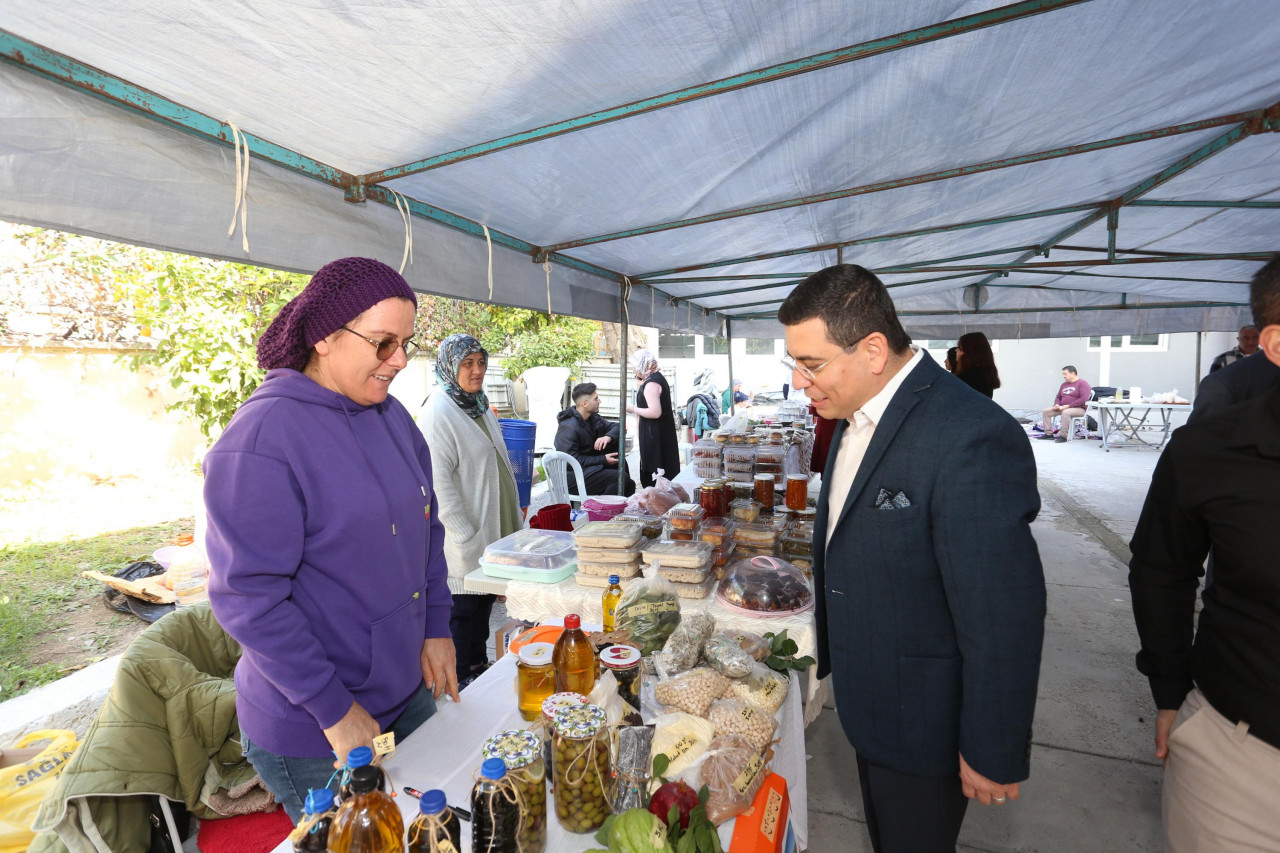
[{"x": 1045, "y": 168}]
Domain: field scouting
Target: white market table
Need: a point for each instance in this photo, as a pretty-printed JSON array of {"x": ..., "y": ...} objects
[
  {"x": 1130, "y": 421},
  {"x": 445, "y": 753}
]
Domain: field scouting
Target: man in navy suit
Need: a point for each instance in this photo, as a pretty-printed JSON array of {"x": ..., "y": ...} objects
[{"x": 931, "y": 596}]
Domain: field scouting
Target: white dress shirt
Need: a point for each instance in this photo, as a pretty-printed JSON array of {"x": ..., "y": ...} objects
[{"x": 856, "y": 439}]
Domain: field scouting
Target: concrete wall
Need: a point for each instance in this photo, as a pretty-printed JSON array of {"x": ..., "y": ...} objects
[{"x": 68, "y": 410}]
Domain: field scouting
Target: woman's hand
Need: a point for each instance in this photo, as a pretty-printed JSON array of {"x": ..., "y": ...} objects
[
  {"x": 356, "y": 728},
  {"x": 440, "y": 667}
]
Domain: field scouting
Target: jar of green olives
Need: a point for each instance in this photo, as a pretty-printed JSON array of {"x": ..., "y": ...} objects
[
  {"x": 581, "y": 769},
  {"x": 522, "y": 752}
]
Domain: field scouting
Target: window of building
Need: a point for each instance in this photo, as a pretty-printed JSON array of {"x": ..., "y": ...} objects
[
  {"x": 715, "y": 346},
  {"x": 761, "y": 346},
  {"x": 675, "y": 345},
  {"x": 1129, "y": 343}
]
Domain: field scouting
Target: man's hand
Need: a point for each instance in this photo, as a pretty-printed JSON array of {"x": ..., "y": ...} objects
[
  {"x": 611, "y": 458},
  {"x": 602, "y": 442},
  {"x": 980, "y": 788},
  {"x": 1164, "y": 725},
  {"x": 356, "y": 728},
  {"x": 440, "y": 667}
]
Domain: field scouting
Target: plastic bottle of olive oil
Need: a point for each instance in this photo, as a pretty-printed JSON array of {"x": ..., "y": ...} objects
[
  {"x": 609, "y": 601},
  {"x": 574, "y": 659}
]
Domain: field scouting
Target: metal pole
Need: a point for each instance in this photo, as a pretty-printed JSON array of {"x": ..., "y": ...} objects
[
  {"x": 728, "y": 336},
  {"x": 1195, "y": 386},
  {"x": 622, "y": 390}
]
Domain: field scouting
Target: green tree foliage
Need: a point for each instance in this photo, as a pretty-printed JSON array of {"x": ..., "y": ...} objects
[{"x": 562, "y": 342}]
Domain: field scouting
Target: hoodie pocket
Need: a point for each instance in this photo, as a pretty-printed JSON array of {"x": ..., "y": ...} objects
[{"x": 395, "y": 648}]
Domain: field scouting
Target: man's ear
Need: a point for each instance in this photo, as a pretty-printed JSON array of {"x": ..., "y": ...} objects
[
  {"x": 877, "y": 349},
  {"x": 1269, "y": 343}
]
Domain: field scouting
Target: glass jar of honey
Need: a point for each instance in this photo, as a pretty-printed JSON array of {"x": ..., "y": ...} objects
[
  {"x": 764, "y": 491},
  {"x": 535, "y": 678},
  {"x": 711, "y": 497},
  {"x": 797, "y": 492}
]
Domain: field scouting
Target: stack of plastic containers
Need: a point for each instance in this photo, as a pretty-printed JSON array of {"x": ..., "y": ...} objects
[
  {"x": 758, "y": 538},
  {"x": 686, "y": 564},
  {"x": 651, "y": 524},
  {"x": 706, "y": 458},
  {"x": 740, "y": 462},
  {"x": 719, "y": 533},
  {"x": 769, "y": 460},
  {"x": 680, "y": 524},
  {"x": 543, "y": 556},
  {"x": 607, "y": 548}
]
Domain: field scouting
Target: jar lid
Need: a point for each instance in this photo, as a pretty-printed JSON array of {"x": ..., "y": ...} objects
[
  {"x": 557, "y": 702},
  {"x": 580, "y": 721},
  {"x": 537, "y": 654},
  {"x": 516, "y": 748},
  {"x": 798, "y": 477},
  {"x": 620, "y": 657},
  {"x": 762, "y": 477}
]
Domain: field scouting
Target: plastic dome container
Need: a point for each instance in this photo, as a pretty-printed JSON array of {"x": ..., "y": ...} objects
[{"x": 765, "y": 586}]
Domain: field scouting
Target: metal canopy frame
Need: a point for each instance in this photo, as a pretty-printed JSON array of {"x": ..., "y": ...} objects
[{"x": 359, "y": 188}]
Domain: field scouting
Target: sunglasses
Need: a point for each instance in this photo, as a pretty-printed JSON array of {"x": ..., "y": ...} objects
[{"x": 387, "y": 346}]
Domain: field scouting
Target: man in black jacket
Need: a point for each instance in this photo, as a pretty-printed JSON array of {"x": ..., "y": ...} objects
[
  {"x": 591, "y": 440},
  {"x": 1217, "y": 686},
  {"x": 930, "y": 593}
]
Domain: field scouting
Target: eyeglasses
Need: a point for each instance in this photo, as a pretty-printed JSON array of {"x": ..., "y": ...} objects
[
  {"x": 811, "y": 373},
  {"x": 387, "y": 346}
]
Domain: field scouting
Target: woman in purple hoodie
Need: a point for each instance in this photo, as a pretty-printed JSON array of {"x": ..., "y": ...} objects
[{"x": 324, "y": 536}]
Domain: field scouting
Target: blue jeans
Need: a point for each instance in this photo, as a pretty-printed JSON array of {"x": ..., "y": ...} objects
[{"x": 288, "y": 778}]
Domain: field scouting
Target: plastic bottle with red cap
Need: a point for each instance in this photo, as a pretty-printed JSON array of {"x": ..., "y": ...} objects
[{"x": 574, "y": 659}]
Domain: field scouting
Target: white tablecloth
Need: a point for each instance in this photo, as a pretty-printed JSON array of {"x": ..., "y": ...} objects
[{"x": 445, "y": 753}]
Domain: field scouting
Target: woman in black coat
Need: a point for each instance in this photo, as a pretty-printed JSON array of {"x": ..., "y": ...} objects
[{"x": 976, "y": 364}]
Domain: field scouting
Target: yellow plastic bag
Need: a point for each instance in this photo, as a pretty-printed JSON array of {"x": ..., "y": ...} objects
[{"x": 25, "y": 779}]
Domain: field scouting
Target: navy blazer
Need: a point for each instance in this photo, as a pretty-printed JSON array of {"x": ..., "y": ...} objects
[{"x": 931, "y": 617}]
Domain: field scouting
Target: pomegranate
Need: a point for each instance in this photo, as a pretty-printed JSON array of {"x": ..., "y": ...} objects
[{"x": 674, "y": 794}]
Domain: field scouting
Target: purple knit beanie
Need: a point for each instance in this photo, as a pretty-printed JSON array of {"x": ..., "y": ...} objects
[{"x": 338, "y": 293}]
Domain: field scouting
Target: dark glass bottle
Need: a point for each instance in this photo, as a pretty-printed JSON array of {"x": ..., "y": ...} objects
[
  {"x": 318, "y": 811},
  {"x": 361, "y": 756},
  {"x": 495, "y": 820},
  {"x": 433, "y": 804}
]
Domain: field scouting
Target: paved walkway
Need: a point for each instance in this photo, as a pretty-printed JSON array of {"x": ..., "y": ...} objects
[{"x": 1094, "y": 784}]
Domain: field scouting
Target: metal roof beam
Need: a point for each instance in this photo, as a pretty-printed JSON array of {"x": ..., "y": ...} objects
[
  {"x": 1046, "y": 310},
  {"x": 768, "y": 74},
  {"x": 1052, "y": 265},
  {"x": 1266, "y": 120},
  {"x": 929, "y": 177},
  {"x": 1248, "y": 205}
]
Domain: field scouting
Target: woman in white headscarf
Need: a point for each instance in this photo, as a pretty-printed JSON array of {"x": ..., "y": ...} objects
[{"x": 659, "y": 448}]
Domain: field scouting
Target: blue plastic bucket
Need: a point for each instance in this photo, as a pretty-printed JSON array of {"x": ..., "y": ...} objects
[{"x": 519, "y": 437}]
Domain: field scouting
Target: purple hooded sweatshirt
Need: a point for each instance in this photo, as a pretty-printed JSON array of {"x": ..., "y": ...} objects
[{"x": 327, "y": 559}]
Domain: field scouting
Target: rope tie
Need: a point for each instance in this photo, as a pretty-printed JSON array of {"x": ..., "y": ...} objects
[
  {"x": 546, "y": 268},
  {"x": 405, "y": 215},
  {"x": 489, "y": 243},
  {"x": 626, "y": 298},
  {"x": 431, "y": 831},
  {"x": 653, "y": 295},
  {"x": 241, "y": 144}
]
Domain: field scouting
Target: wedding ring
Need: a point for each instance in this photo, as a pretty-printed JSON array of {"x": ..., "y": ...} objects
[{"x": 997, "y": 799}]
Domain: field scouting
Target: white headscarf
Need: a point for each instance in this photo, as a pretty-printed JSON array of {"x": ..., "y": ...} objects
[{"x": 643, "y": 363}]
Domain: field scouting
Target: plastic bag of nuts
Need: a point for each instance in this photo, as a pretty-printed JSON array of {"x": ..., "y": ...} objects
[
  {"x": 684, "y": 645},
  {"x": 692, "y": 691},
  {"x": 727, "y": 657},
  {"x": 735, "y": 717},
  {"x": 762, "y": 687},
  {"x": 733, "y": 771}
]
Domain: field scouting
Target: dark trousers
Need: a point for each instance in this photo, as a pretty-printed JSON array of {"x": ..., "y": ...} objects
[
  {"x": 605, "y": 482},
  {"x": 911, "y": 814},
  {"x": 469, "y": 625}
]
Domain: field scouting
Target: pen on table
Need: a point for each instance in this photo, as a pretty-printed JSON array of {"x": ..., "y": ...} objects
[{"x": 417, "y": 795}]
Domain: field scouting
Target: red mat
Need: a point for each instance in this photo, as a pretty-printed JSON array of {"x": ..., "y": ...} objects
[{"x": 259, "y": 832}]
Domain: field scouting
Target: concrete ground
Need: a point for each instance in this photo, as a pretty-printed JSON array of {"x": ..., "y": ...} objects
[{"x": 1094, "y": 784}]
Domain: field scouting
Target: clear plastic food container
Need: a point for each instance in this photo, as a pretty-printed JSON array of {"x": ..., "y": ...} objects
[
  {"x": 538, "y": 555},
  {"x": 739, "y": 454},
  {"x": 765, "y": 586},
  {"x": 759, "y": 534},
  {"x": 705, "y": 448},
  {"x": 716, "y": 530},
  {"x": 676, "y": 575},
  {"x": 745, "y": 510},
  {"x": 679, "y": 555},
  {"x": 651, "y": 524},
  {"x": 605, "y": 569},
  {"x": 617, "y": 556},
  {"x": 608, "y": 534},
  {"x": 695, "y": 590},
  {"x": 675, "y": 534},
  {"x": 685, "y": 516}
]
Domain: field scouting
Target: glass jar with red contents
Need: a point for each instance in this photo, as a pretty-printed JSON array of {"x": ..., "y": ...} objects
[
  {"x": 764, "y": 491},
  {"x": 712, "y": 498},
  {"x": 797, "y": 491}
]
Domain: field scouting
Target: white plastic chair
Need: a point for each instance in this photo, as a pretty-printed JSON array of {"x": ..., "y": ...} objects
[{"x": 557, "y": 465}]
